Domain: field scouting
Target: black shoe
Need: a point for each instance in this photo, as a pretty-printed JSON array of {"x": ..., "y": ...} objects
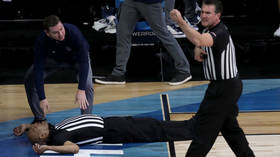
[
  {"x": 180, "y": 78},
  {"x": 111, "y": 80}
]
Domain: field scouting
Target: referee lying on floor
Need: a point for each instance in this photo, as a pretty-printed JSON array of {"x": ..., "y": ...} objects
[{"x": 65, "y": 136}]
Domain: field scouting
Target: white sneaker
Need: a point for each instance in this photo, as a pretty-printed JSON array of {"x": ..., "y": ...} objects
[
  {"x": 194, "y": 26},
  {"x": 98, "y": 25},
  {"x": 197, "y": 8},
  {"x": 111, "y": 19},
  {"x": 176, "y": 31},
  {"x": 277, "y": 33},
  {"x": 104, "y": 23},
  {"x": 111, "y": 28}
]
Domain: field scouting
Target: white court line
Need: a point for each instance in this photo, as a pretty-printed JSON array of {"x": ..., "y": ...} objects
[
  {"x": 117, "y": 152},
  {"x": 105, "y": 144},
  {"x": 87, "y": 152},
  {"x": 95, "y": 151},
  {"x": 54, "y": 156},
  {"x": 50, "y": 152}
]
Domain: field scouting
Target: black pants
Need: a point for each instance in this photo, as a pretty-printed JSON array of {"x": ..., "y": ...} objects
[
  {"x": 131, "y": 129},
  {"x": 218, "y": 112}
]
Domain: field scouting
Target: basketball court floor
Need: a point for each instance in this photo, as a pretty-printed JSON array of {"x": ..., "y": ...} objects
[{"x": 259, "y": 116}]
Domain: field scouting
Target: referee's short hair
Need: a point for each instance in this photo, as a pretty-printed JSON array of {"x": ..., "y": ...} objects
[
  {"x": 50, "y": 21},
  {"x": 217, "y": 3}
]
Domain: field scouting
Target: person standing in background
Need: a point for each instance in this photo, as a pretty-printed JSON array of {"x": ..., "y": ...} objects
[{"x": 152, "y": 11}]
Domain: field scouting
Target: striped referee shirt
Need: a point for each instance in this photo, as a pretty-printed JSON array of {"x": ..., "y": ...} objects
[
  {"x": 220, "y": 63},
  {"x": 83, "y": 129}
]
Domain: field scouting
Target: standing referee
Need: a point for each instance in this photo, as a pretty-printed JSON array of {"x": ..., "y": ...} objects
[{"x": 218, "y": 109}]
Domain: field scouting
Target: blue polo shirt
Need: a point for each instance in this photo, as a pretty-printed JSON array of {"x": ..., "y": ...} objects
[{"x": 73, "y": 49}]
